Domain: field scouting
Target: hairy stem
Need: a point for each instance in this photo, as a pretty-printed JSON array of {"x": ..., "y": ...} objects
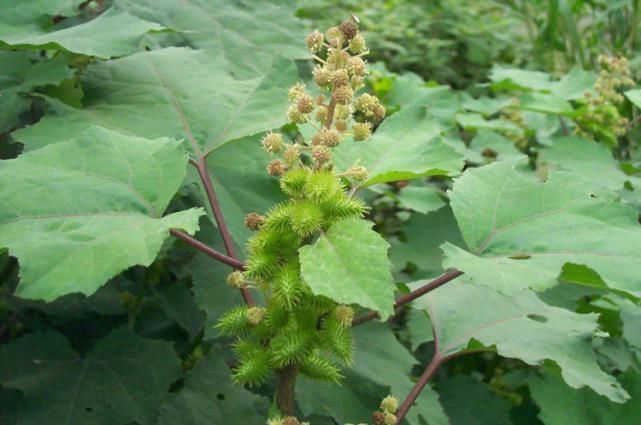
[
  {"x": 407, "y": 298},
  {"x": 429, "y": 372},
  {"x": 286, "y": 390},
  {"x": 203, "y": 172},
  {"x": 208, "y": 250}
]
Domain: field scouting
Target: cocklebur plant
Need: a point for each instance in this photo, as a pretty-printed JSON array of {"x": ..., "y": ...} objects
[
  {"x": 296, "y": 331},
  {"x": 600, "y": 117}
]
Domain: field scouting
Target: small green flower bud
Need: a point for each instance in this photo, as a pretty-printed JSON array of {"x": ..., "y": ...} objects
[
  {"x": 329, "y": 137},
  {"x": 314, "y": 41},
  {"x": 349, "y": 28},
  {"x": 366, "y": 104},
  {"x": 390, "y": 419},
  {"x": 321, "y": 154},
  {"x": 253, "y": 221},
  {"x": 361, "y": 131},
  {"x": 292, "y": 154},
  {"x": 358, "y": 173},
  {"x": 334, "y": 36},
  {"x": 344, "y": 314},
  {"x": 340, "y": 78},
  {"x": 343, "y": 95},
  {"x": 357, "y": 44},
  {"x": 296, "y": 116},
  {"x": 356, "y": 66},
  {"x": 275, "y": 168},
  {"x": 296, "y": 90},
  {"x": 317, "y": 139},
  {"x": 236, "y": 279},
  {"x": 389, "y": 404},
  {"x": 322, "y": 76},
  {"x": 379, "y": 113},
  {"x": 378, "y": 418},
  {"x": 305, "y": 104},
  {"x": 341, "y": 125},
  {"x": 255, "y": 315},
  {"x": 342, "y": 112},
  {"x": 321, "y": 115},
  {"x": 272, "y": 142}
]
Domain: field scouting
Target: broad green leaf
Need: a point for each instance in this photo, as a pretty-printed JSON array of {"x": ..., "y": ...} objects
[
  {"x": 575, "y": 84},
  {"x": 121, "y": 380},
  {"x": 243, "y": 36},
  {"x": 19, "y": 75},
  {"x": 349, "y": 264},
  {"x": 631, "y": 318},
  {"x": 520, "y": 78},
  {"x": 405, "y": 146},
  {"x": 77, "y": 213},
  {"x": 634, "y": 96},
  {"x": 94, "y": 38},
  {"x": 521, "y": 326},
  {"x": 375, "y": 350},
  {"x": 546, "y": 103},
  {"x": 467, "y": 401},
  {"x": 590, "y": 160},
  {"x": 520, "y": 232},
  {"x": 419, "y": 327},
  {"x": 410, "y": 90},
  {"x": 209, "y": 397},
  {"x": 242, "y": 183},
  {"x": 177, "y": 303},
  {"x": 419, "y": 250},
  {"x": 484, "y": 105},
  {"x": 561, "y": 405},
  {"x": 422, "y": 199},
  {"x": 9, "y": 405},
  {"x": 174, "y": 92},
  {"x": 472, "y": 121},
  {"x": 488, "y": 145}
]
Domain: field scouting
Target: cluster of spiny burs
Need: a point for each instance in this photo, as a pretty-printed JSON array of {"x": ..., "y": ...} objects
[
  {"x": 601, "y": 118},
  {"x": 296, "y": 329}
]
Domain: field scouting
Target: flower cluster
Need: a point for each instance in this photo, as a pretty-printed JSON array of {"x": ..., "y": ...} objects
[
  {"x": 600, "y": 117},
  {"x": 387, "y": 414},
  {"x": 294, "y": 328},
  {"x": 335, "y": 111}
]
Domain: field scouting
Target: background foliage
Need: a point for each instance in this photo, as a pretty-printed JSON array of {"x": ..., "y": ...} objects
[{"x": 493, "y": 160}]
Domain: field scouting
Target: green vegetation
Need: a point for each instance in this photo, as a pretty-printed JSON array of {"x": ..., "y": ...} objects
[{"x": 322, "y": 212}]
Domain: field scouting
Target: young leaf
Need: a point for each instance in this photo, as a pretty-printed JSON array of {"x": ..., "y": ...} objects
[
  {"x": 521, "y": 326},
  {"x": 405, "y": 146},
  {"x": 94, "y": 38},
  {"x": 520, "y": 232},
  {"x": 349, "y": 264},
  {"x": 121, "y": 380},
  {"x": 77, "y": 213},
  {"x": 174, "y": 92}
]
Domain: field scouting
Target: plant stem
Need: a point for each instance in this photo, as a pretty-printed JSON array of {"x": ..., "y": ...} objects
[
  {"x": 238, "y": 265},
  {"x": 330, "y": 112},
  {"x": 407, "y": 298},
  {"x": 429, "y": 372},
  {"x": 286, "y": 390},
  {"x": 203, "y": 172}
]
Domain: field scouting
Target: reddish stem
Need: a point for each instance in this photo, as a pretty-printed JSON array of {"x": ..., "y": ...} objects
[
  {"x": 407, "y": 298},
  {"x": 429, "y": 372},
  {"x": 205, "y": 178},
  {"x": 208, "y": 250}
]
